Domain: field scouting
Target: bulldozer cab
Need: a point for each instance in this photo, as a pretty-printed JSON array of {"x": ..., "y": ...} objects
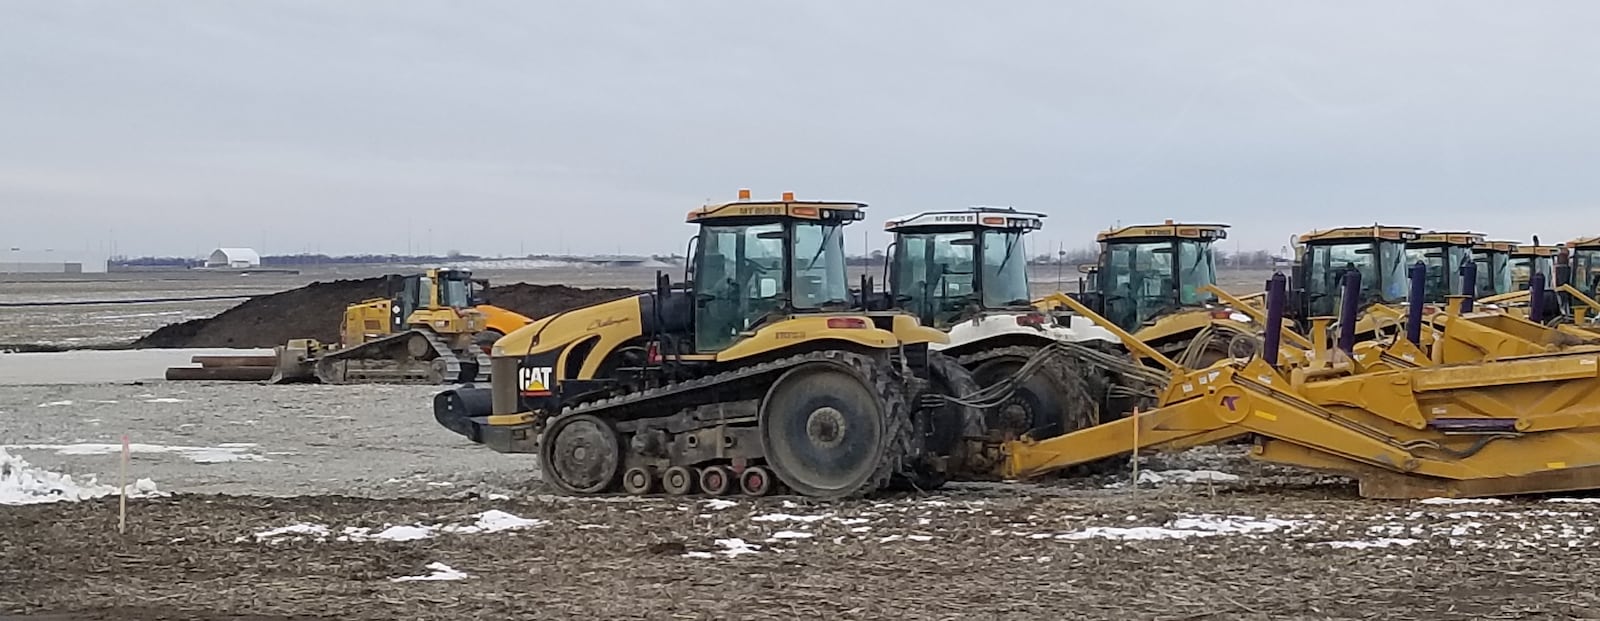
[
  {"x": 1377, "y": 252},
  {"x": 757, "y": 260},
  {"x": 1494, "y": 267},
  {"x": 1443, "y": 253},
  {"x": 434, "y": 290},
  {"x": 947, "y": 266},
  {"x": 1147, "y": 271}
]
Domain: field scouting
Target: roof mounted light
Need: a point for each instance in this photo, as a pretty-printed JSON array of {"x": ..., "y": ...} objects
[
  {"x": 744, "y": 194},
  {"x": 788, "y": 197}
]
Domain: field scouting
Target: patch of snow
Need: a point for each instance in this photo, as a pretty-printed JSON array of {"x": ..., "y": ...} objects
[
  {"x": 56, "y": 404},
  {"x": 730, "y": 548},
  {"x": 1183, "y": 528},
  {"x": 1575, "y": 500},
  {"x": 919, "y": 537},
  {"x": 441, "y": 571},
  {"x": 494, "y": 521},
  {"x": 406, "y": 533},
  {"x": 860, "y": 529},
  {"x": 499, "y": 497},
  {"x": 24, "y": 484},
  {"x": 1158, "y": 477},
  {"x": 790, "y": 534},
  {"x": 318, "y": 532},
  {"x": 851, "y": 521},
  {"x": 1383, "y": 542},
  {"x": 1461, "y": 501},
  {"x": 199, "y": 454},
  {"x": 166, "y": 400},
  {"x": 718, "y": 504},
  {"x": 784, "y": 517}
]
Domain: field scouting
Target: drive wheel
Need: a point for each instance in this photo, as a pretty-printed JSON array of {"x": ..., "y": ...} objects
[
  {"x": 716, "y": 480},
  {"x": 580, "y": 454},
  {"x": 834, "y": 429},
  {"x": 679, "y": 480},
  {"x": 638, "y": 481}
]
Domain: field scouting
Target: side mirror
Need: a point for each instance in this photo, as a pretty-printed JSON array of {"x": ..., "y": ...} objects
[
  {"x": 769, "y": 287},
  {"x": 1088, "y": 268}
]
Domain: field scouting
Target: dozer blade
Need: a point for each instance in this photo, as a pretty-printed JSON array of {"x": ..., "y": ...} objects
[
  {"x": 296, "y": 362},
  {"x": 410, "y": 357}
]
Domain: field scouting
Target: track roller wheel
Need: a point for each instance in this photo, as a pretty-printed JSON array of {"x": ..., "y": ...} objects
[
  {"x": 638, "y": 481},
  {"x": 580, "y": 454},
  {"x": 836, "y": 429},
  {"x": 755, "y": 481},
  {"x": 680, "y": 480},
  {"x": 716, "y": 480}
]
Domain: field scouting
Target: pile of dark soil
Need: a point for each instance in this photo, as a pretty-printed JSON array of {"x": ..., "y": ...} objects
[{"x": 315, "y": 311}]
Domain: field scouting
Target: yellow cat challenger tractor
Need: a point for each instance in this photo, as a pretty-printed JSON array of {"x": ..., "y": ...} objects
[
  {"x": 758, "y": 371},
  {"x": 1158, "y": 282},
  {"x": 434, "y": 328}
]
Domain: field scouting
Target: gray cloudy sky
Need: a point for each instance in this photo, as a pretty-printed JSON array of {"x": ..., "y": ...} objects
[{"x": 593, "y": 126}]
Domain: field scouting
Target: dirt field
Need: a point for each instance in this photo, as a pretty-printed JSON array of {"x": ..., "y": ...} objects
[{"x": 310, "y": 502}]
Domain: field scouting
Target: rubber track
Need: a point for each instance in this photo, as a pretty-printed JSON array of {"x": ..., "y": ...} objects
[{"x": 900, "y": 445}]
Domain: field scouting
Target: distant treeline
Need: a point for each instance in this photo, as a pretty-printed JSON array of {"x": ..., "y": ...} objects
[{"x": 1253, "y": 259}]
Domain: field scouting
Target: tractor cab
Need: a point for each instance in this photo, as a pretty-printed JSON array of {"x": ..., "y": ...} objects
[
  {"x": 1584, "y": 259},
  {"x": 1444, "y": 254},
  {"x": 757, "y": 261},
  {"x": 1494, "y": 267},
  {"x": 1377, "y": 252},
  {"x": 1530, "y": 259},
  {"x": 1150, "y": 271},
  {"x": 948, "y": 266}
]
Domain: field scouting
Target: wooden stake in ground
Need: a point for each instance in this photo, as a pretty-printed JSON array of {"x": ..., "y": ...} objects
[
  {"x": 122, "y": 489},
  {"x": 1136, "y": 448}
]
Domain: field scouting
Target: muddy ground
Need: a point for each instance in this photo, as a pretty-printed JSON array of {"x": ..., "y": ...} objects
[{"x": 985, "y": 553}]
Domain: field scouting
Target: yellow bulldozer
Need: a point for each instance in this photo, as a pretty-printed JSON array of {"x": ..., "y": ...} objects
[
  {"x": 434, "y": 328},
  {"x": 762, "y": 370}
]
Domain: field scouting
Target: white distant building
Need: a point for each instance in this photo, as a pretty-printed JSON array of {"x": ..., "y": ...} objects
[{"x": 236, "y": 258}]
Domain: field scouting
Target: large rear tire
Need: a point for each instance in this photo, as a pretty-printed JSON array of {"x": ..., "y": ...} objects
[
  {"x": 1051, "y": 402},
  {"x": 837, "y": 428}
]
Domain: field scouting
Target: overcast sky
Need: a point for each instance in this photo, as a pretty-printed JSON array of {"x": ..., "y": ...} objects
[{"x": 591, "y": 127}]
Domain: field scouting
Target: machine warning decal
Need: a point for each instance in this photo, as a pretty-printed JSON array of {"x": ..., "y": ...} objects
[{"x": 536, "y": 379}]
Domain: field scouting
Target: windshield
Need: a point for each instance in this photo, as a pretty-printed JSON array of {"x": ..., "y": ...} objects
[
  {"x": 1494, "y": 272},
  {"x": 1137, "y": 282},
  {"x": 820, "y": 278},
  {"x": 1196, "y": 268},
  {"x": 1523, "y": 269},
  {"x": 1325, "y": 275},
  {"x": 933, "y": 275},
  {"x": 1005, "y": 269},
  {"x": 1586, "y": 270},
  {"x": 455, "y": 293},
  {"x": 737, "y": 281},
  {"x": 1444, "y": 270}
]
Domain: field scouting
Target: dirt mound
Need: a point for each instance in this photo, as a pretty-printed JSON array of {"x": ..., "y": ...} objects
[{"x": 315, "y": 311}]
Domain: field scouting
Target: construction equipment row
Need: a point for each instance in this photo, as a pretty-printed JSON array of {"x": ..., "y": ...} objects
[{"x": 767, "y": 370}]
